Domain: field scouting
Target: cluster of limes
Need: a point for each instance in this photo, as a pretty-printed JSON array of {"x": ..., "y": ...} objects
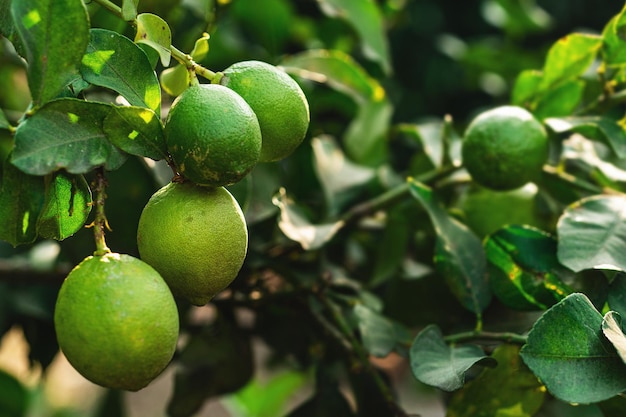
[{"x": 116, "y": 317}]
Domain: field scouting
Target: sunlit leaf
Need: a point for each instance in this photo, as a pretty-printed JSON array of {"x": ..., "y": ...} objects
[
  {"x": 569, "y": 57},
  {"x": 66, "y": 207},
  {"x": 114, "y": 61},
  {"x": 612, "y": 329},
  {"x": 509, "y": 389},
  {"x": 367, "y": 20},
  {"x": 137, "y": 131},
  {"x": 435, "y": 363},
  {"x": 175, "y": 80},
  {"x": 592, "y": 233},
  {"x": 614, "y": 47},
  {"x": 129, "y": 9},
  {"x": 459, "y": 254},
  {"x": 53, "y": 56},
  {"x": 567, "y": 350},
  {"x": 155, "y": 32},
  {"x": 65, "y": 133},
  {"x": 297, "y": 227}
]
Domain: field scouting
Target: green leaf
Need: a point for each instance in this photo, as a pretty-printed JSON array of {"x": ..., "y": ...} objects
[
  {"x": 66, "y": 207},
  {"x": 459, "y": 254},
  {"x": 613, "y": 46},
  {"x": 297, "y": 227},
  {"x": 176, "y": 79},
  {"x": 592, "y": 233},
  {"x": 53, "y": 56},
  {"x": 137, "y": 131},
  {"x": 337, "y": 174},
  {"x": 114, "y": 61},
  {"x": 129, "y": 9},
  {"x": 65, "y": 133},
  {"x": 156, "y": 33},
  {"x": 612, "y": 329},
  {"x": 507, "y": 390},
  {"x": 526, "y": 88},
  {"x": 568, "y": 352},
  {"x": 559, "y": 101},
  {"x": 4, "y": 123},
  {"x": 569, "y": 58},
  {"x": 367, "y": 20},
  {"x": 21, "y": 200},
  {"x": 337, "y": 69},
  {"x": 599, "y": 128},
  {"x": 435, "y": 363},
  {"x": 13, "y": 396},
  {"x": 365, "y": 138},
  {"x": 617, "y": 294},
  {"x": 391, "y": 254},
  {"x": 377, "y": 332},
  {"x": 524, "y": 270}
]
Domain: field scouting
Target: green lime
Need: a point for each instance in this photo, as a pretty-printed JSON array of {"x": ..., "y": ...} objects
[
  {"x": 505, "y": 148},
  {"x": 279, "y": 104},
  {"x": 116, "y": 321},
  {"x": 196, "y": 237},
  {"x": 212, "y": 135}
]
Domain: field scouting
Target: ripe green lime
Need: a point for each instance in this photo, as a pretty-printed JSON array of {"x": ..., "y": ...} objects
[
  {"x": 212, "y": 135},
  {"x": 279, "y": 104},
  {"x": 196, "y": 237},
  {"x": 505, "y": 148},
  {"x": 116, "y": 321}
]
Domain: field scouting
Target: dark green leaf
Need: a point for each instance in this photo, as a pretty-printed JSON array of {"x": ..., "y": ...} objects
[
  {"x": 602, "y": 129},
  {"x": 367, "y": 20},
  {"x": 21, "y": 200},
  {"x": 114, "y": 61},
  {"x": 392, "y": 251},
  {"x": 617, "y": 294},
  {"x": 53, "y": 56},
  {"x": 568, "y": 352},
  {"x": 377, "y": 332},
  {"x": 365, "y": 138},
  {"x": 67, "y": 206},
  {"x": 65, "y": 133},
  {"x": 7, "y": 28},
  {"x": 509, "y": 389},
  {"x": 112, "y": 404},
  {"x": 459, "y": 253},
  {"x": 435, "y": 363},
  {"x": 129, "y": 9},
  {"x": 155, "y": 32},
  {"x": 137, "y": 131},
  {"x": 4, "y": 123},
  {"x": 329, "y": 402},
  {"x": 13, "y": 396},
  {"x": 569, "y": 58},
  {"x": 592, "y": 233},
  {"x": 612, "y": 329},
  {"x": 524, "y": 271}
]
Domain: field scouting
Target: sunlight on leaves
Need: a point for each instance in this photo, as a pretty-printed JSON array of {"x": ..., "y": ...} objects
[{"x": 156, "y": 33}]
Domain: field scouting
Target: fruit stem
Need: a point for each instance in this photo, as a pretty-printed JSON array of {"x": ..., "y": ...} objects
[{"x": 100, "y": 223}]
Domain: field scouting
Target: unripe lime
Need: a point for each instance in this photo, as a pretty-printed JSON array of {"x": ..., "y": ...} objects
[
  {"x": 116, "y": 321},
  {"x": 279, "y": 104},
  {"x": 212, "y": 135},
  {"x": 505, "y": 148},
  {"x": 196, "y": 237}
]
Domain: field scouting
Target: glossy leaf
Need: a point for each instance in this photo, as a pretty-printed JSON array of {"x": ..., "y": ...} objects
[
  {"x": 155, "y": 32},
  {"x": 337, "y": 174},
  {"x": 66, "y": 207},
  {"x": 509, "y": 389},
  {"x": 297, "y": 227},
  {"x": 435, "y": 363},
  {"x": 377, "y": 332},
  {"x": 592, "y": 233},
  {"x": 137, "y": 131},
  {"x": 617, "y": 294},
  {"x": 21, "y": 200},
  {"x": 524, "y": 271},
  {"x": 459, "y": 254},
  {"x": 53, "y": 57},
  {"x": 613, "y": 330},
  {"x": 567, "y": 350},
  {"x": 129, "y": 9},
  {"x": 569, "y": 57},
  {"x": 367, "y": 20},
  {"x": 65, "y": 133},
  {"x": 602, "y": 129},
  {"x": 114, "y": 61}
]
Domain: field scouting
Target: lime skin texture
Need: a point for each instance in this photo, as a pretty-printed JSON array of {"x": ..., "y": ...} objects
[
  {"x": 116, "y": 321},
  {"x": 505, "y": 148},
  {"x": 196, "y": 237},
  {"x": 213, "y": 135}
]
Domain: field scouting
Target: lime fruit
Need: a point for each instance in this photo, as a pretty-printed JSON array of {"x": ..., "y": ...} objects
[
  {"x": 196, "y": 237},
  {"x": 279, "y": 104},
  {"x": 116, "y": 321},
  {"x": 212, "y": 135},
  {"x": 504, "y": 148}
]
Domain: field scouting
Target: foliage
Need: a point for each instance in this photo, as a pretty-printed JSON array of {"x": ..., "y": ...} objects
[{"x": 361, "y": 243}]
